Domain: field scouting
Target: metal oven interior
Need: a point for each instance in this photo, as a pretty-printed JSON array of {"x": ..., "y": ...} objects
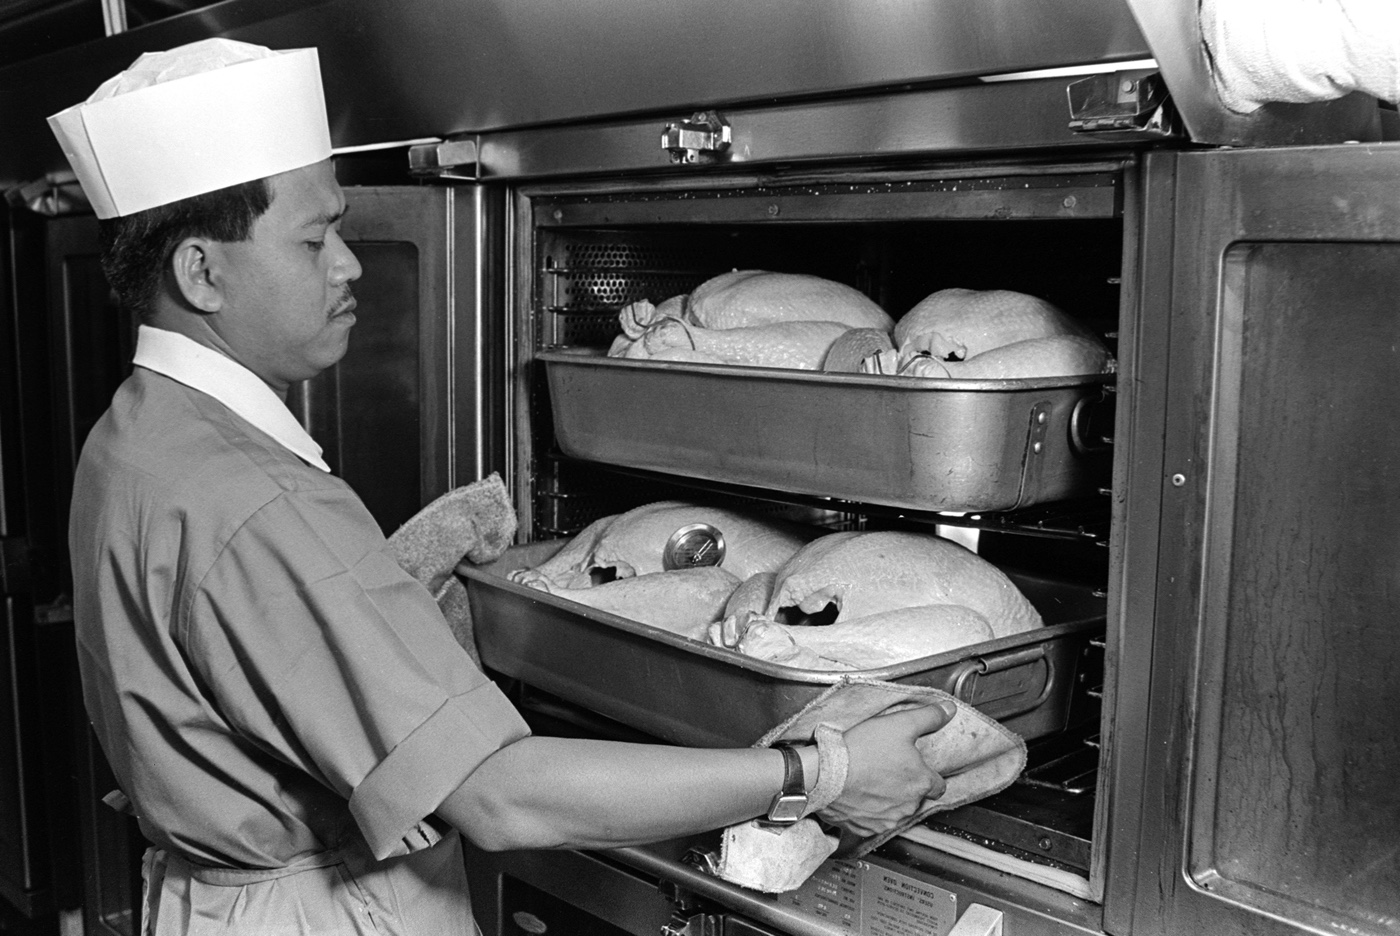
[{"x": 1048, "y": 228}]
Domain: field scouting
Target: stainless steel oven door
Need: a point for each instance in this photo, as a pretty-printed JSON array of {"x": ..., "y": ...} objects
[{"x": 1269, "y": 752}]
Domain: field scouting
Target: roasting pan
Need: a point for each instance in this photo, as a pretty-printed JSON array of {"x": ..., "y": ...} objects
[
  {"x": 687, "y": 692},
  {"x": 913, "y": 442}
]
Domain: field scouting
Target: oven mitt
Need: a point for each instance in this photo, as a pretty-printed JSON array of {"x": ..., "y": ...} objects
[
  {"x": 976, "y": 755},
  {"x": 475, "y": 522}
]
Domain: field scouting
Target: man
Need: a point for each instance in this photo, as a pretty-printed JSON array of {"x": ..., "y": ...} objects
[{"x": 293, "y": 723}]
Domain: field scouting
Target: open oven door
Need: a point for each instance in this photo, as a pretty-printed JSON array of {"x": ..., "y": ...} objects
[{"x": 1269, "y": 801}]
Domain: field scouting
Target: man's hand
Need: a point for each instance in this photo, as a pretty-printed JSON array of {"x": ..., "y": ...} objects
[{"x": 887, "y": 779}]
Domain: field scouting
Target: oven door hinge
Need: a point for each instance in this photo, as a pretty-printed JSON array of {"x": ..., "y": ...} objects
[{"x": 1135, "y": 103}]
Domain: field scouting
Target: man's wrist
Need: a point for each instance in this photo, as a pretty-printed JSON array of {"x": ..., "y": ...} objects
[{"x": 811, "y": 765}]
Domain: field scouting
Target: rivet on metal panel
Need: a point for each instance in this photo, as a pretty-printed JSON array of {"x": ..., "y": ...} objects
[
  {"x": 1178, "y": 479},
  {"x": 1037, "y": 446}
]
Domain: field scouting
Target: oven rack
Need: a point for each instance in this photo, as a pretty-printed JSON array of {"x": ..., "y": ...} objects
[{"x": 1085, "y": 520}]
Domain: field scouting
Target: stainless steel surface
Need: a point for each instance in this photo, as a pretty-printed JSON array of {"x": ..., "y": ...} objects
[
  {"x": 581, "y": 890},
  {"x": 1269, "y": 805},
  {"x": 973, "y": 119},
  {"x": 1173, "y": 31},
  {"x": 1030, "y": 910},
  {"x": 688, "y": 692},
  {"x": 919, "y": 443},
  {"x": 762, "y": 908},
  {"x": 403, "y": 69}
]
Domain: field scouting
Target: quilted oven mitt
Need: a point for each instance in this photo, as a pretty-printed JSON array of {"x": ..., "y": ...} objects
[
  {"x": 976, "y": 755},
  {"x": 475, "y": 522}
]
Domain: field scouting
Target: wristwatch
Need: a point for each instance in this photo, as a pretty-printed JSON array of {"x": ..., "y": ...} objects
[{"x": 791, "y": 802}]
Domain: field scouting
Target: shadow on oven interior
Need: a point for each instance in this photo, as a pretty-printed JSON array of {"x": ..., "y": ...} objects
[{"x": 1055, "y": 234}]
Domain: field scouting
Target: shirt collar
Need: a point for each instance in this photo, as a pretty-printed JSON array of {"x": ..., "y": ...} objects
[{"x": 187, "y": 361}]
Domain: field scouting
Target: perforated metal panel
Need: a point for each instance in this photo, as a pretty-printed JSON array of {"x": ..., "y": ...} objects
[{"x": 586, "y": 278}]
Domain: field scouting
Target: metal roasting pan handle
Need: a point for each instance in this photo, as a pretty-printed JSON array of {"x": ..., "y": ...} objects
[
  {"x": 1088, "y": 411},
  {"x": 964, "y": 683}
]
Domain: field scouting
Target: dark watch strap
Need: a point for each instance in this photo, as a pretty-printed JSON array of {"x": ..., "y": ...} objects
[{"x": 791, "y": 802}]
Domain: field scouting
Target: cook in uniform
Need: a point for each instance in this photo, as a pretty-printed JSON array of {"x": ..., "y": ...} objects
[{"x": 296, "y": 729}]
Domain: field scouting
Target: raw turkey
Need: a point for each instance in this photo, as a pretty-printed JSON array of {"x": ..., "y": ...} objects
[
  {"x": 866, "y": 643},
  {"x": 961, "y": 323},
  {"x": 748, "y": 317},
  {"x": 1055, "y": 356},
  {"x": 633, "y": 544},
  {"x": 744, "y": 298},
  {"x": 682, "y": 601},
  {"x": 994, "y": 334},
  {"x": 798, "y": 345},
  {"x": 896, "y": 596}
]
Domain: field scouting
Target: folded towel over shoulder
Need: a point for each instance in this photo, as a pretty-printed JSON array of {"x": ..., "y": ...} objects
[
  {"x": 475, "y": 522},
  {"x": 1301, "y": 51},
  {"x": 975, "y": 754}
]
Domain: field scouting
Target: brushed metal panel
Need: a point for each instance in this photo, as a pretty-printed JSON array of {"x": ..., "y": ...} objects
[
  {"x": 401, "y": 69},
  {"x": 1295, "y": 809},
  {"x": 999, "y": 117},
  {"x": 1268, "y": 805}
]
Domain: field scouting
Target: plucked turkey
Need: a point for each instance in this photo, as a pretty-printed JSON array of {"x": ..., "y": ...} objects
[
  {"x": 616, "y": 564},
  {"x": 896, "y": 596},
  {"x": 744, "y": 298},
  {"x": 682, "y": 601},
  {"x": 993, "y": 334},
  {"x": 634, "y": 543},
  {"x": 749, "y": 317}
]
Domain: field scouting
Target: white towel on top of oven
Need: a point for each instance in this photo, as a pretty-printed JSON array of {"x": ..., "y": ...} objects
[{"x": 1301, "y": 51}]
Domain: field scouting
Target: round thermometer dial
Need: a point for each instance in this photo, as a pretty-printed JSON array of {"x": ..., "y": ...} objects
[{"x": 692, "y": 546}]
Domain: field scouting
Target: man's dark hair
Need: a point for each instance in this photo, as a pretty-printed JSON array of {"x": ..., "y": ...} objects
[{"x": 136, "y": 249}]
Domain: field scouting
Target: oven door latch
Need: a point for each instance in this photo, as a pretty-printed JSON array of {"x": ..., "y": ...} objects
[{"x": 701, "y": 139}]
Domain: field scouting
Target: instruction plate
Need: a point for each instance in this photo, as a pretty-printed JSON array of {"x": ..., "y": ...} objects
[{"x": 862, "y": 898}]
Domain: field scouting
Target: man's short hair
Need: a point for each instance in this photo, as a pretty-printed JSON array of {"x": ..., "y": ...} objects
[{"x": 136, "y": 248}]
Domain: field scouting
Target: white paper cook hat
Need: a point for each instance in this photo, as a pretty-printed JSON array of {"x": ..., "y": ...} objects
[{"x": 194, "y": 119}]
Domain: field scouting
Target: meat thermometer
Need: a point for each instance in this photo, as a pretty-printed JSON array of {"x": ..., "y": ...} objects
[{"x": 692, "y": 546}]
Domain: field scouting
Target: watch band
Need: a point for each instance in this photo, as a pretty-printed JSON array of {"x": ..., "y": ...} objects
[{"x": 791, "y": 802}]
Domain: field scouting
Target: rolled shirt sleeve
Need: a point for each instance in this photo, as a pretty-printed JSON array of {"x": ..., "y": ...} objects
[{"x": 318, "y": 649}]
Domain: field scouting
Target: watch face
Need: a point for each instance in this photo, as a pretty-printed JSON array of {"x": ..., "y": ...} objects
[
  {"x": 692, "y": 546},
  {"x": 787, "y": 809}
]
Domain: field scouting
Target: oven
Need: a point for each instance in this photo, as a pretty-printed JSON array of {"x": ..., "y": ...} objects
[
  {"x": 1212, "y": 275},
  {"x": 1219, "y": 753}
]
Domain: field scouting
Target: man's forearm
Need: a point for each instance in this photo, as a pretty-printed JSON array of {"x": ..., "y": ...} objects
[{"x": 567, "y": 792}]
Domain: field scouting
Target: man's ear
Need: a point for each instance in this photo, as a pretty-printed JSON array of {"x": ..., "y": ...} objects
[{"x": 192, "y": 265}]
